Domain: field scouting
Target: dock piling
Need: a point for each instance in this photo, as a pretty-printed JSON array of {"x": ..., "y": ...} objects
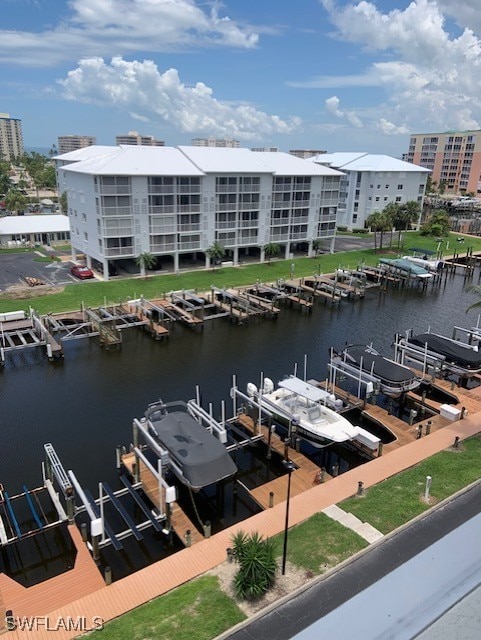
[{"x": 360, "y": 488}]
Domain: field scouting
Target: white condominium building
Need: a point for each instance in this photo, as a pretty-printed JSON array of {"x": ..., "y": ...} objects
[
  {"x": 135, "y": 138},
  {"x": 215, "y": 142},
  {"x": 11, "y": 138},
  {"x": 371, "y": 182},
  {"x": 175, "y": 203}
]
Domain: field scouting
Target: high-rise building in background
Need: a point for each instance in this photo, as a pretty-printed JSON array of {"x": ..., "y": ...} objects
[
  {"x": 11, "y": 138},
  {"x": 215, "y": 142},
  {"x": 454, "y": 158},
  {"x": 305, "y": 153},
  {"x": 135, "y": 138},
  {"x": 265, "y": 149},
  {"x": 73, "y": 142}
]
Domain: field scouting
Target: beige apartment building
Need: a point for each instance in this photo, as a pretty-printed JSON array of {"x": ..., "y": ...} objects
[
  {"x": 66, "y": 144},
  {"x": 135, "y": 138},
  {"x": 454, "y": 157},
  {"x": 11, "y": 138}
]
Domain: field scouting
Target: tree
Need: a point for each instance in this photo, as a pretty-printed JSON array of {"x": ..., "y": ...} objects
[
  {"x": 216, "y": 252},
  {"x": 257, "y": 564},
  {"x": 437, "y": 224},
  {"x": 63, "y": 202},
  {"x": 442, "y": 186},
  {"x": 145, "y": 260},
  {"x": 317, "y": 245},
  {"x": 271, "y": 250},
  {"x": 407, "y": 214},
  {"x": 378, "y": 222},
  {"x": 390, "y": 212},
  {"x": 15, "y": 201}
]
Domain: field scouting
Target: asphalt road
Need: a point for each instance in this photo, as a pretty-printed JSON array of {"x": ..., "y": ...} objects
[
  {"x": 14, "y": 267},
  {"x": 327, "y": 595}
]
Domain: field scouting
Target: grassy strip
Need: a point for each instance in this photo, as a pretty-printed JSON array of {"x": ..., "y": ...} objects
[
  {"x": 197, "y": 610},
  {"x": 320, "y": 543},
  {"x": 397, "y": 500},
  {"x": 93, "y": 294}
]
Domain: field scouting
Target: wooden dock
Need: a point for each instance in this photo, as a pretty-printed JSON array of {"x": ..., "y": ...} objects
[
  {"x": 179, "y": 520},
  {"x": 306, "y": 476}
]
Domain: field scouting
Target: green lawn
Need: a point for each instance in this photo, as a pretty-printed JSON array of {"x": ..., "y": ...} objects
[
  {"x": 198, "y": 610},
  {"x": 320, "y": 543},
  {"x": 392, "y": 503},
  {"x": 93, "y": 294}
]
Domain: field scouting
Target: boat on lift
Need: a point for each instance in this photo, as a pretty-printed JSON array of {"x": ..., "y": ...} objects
[
  {"x": 425, "y": 259},
  {"x": 393, "y": 378},
  {"x": 312, "y": 411},
  {"x": 196, "y": 456},
  {"x": 406, "y": 266},
  {"x": 458, "y": 357}
]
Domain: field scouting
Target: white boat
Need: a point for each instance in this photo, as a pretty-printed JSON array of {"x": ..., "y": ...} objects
[{"x": 312, "y": 411}]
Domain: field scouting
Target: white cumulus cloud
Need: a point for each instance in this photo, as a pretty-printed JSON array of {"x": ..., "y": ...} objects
[
  {"x": 433, "y": 77},
  {"x": 103, "y": 27},
  {"x": 332, "y": 107},
  {"x": 141, "y": 89}
]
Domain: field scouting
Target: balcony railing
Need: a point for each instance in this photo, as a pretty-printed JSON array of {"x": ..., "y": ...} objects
[
  {"x": 281, "y": 187},
  {"x": 189, "y": 227},
  {"x": 229, "y": 206},
  {"x": 226, "y": 225},
  {"x": 249, "y": 206},
  {"x": 300, "y": 235},
  {"x": 116, "y": 211},
  {"x": 162, "y": 208},
  {"x": 277, "y": 237},
  {"x": 226, "y": 188},
  {"x": 112, "y": 252},
  {"x": 248, "y": 240},
  {"x": 117, "y": 231},
  {"x": 300, "y": 204},
  {"x": 193, "y": 245},
  {"x": 243, "y": 224},
  {"x": 160, "y": 248},
  {"x": 249, "y": 188},
  {"x": 183, "y": 188},
  {"x": 161, "y": 188},
  {"x": 188, "y": 208},
  {"x": 162, "y": 229},
  {"x": 115, "y": 190}
]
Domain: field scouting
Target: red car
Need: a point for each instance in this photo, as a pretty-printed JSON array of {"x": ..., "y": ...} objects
[{"x": 84, "y": 273}]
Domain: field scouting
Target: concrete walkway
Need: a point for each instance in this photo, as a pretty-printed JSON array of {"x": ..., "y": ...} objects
[
  {"x": 159, "y": 578},
  {"x": 350, "y": 521}
]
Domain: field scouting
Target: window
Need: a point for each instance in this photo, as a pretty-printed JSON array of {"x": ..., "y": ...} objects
[
  {"x": 86, "y": 236},
  {"x": 399, "y": 187},
  {"x": 377, "y": 198},
  {"x": 398, "y": 198},
  {"x": 378, "y": 186},
  {"x": 387, "y": 186},
  {"x": 385, "y": 198},
  {"x": 84, "y": 217}
]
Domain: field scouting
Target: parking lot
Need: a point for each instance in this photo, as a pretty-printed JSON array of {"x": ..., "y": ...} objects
[{"x": 15, "y": 267}]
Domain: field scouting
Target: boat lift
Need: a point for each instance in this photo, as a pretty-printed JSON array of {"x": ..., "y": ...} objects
[
  {"x": 338, "y": 366},
  {"x": 102, "y": 534}
]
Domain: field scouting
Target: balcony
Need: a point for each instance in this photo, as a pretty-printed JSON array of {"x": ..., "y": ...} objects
[
  {"x": 116, "y": 232},
  {"x": 278, "y": 237},
  {"x": 162, "y": 248},
  {"x": 162, "y": 208},
  {"x": 300, "y": 204},
  {"x": 188, "y": 208},
  {"x": 281, "y": 187},
  {"x": 189, "y": 227},
  {"x": 115, "y": 252},
  {"x": 191, "y": 188},
  {"x": 115, "y": 190},
  {"x": 226, "y": 188},
  {"x": 189, "y": 246},
  {"x": 155, "y": 189},
  {"x": 249, "y": 188},
  {"x": 230, "y": 224},
  {"x": 116, "y": 211},
  {"x": 298, "y": 235},
  {"x": 249, "y": 206},
  {"x": 229, "y": 206},
  {"x": 162, "y": 229},
  {"x": 243, "y": 224},
  {"x": 247, "y": 240}
]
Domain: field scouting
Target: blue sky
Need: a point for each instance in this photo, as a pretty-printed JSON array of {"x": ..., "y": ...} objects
[{"x": 322, "y": 74}]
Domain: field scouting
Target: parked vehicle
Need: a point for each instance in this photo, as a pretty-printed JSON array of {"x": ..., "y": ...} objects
[{"x": 81, "y": 272}]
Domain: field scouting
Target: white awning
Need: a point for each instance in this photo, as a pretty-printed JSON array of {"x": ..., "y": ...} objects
[{"x": 304, "y": 389}]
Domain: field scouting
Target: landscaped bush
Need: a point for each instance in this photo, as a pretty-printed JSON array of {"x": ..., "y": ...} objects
[
  {"x": 257, "y": 559},
  {"x": 360, "y": 230},
  {"x": 341, "y": 228}
]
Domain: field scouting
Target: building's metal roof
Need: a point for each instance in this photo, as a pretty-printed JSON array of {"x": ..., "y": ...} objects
[
  {"x": 38, "y": 223},
  {"x": 376, "y": 163},
  {"x": 127, "y": 160}
]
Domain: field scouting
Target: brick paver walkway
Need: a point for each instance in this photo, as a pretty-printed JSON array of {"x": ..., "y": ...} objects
[{"x": 140, "y": 587}]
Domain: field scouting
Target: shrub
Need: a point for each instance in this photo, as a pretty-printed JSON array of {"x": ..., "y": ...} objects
[
  {"x": 341, "y": 228},
  {"x": 257, "y": 564}
]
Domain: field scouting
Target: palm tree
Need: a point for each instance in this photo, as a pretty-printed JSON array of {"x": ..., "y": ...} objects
[
  {"x": 271, "y": 250},
  {"x": 215, "y": 252},
  {"x": 317, "y": 245},
  {"x": 408, "y": 214},
  {"x": 145, "y": 260},
  {"x": 391, "y": 211},
  {"x": 376, "y": 222},
  {"x": 15, "y": 201}
]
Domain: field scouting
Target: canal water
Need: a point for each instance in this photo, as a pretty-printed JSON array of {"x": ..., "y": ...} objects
[{"x": 85, "y": 404}]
